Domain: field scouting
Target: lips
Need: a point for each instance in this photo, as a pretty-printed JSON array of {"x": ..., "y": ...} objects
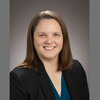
[{"x": 49, "y": 47}]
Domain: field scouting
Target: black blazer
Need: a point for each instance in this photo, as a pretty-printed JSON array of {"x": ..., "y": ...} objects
[{"x": 27, "y": 84}]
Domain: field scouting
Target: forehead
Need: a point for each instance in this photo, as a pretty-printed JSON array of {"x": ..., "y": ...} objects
[
  {"x": 45, "y": 20},
  {"x": 48, "y": 25}
]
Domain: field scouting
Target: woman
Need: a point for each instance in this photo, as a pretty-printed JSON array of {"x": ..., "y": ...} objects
[{"x": 48, "y": 71}]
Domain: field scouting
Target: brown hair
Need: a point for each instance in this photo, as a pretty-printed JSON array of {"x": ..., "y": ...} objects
[{"x": 65, "y": 55}]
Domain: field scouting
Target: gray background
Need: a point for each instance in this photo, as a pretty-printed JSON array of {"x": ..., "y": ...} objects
[
  {"x": 75, "y": 14},
  {"x": 94, "y": 49},
  {"x": 4, "y": 50}
]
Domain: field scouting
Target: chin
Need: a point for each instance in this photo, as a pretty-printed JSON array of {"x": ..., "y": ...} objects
[{"x": 50, "y": 57}]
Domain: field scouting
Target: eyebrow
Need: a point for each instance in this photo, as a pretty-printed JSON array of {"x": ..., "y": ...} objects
[
  {"x": 45, "y": 32},
  {"x": 41, "y": 32}
]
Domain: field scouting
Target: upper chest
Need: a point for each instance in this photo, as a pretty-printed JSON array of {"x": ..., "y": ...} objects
[{"x": 56, "y": 81}]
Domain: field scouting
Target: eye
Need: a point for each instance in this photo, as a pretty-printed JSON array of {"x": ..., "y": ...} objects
[
  {"x": 56, "y": 34},
  {"x": 42, "y": 35}
]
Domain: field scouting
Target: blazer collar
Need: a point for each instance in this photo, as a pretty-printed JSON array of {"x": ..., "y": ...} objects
[
  {"x": 44, "y": 81},
  {"x": 46, "y": 86}
]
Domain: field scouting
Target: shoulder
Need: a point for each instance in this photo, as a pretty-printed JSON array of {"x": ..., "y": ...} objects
[
  {"x": 76, "y": 77},
  {"x": 77, "y": 67},
  {"x": 24, "y": 77},
  {"x": 21, "y": 72},
  {"x": 23, "y": 82},
  {"x": 77, "y": 70}
]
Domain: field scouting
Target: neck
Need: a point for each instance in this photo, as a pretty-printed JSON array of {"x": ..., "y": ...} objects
[{"x": 51, "y": 65}]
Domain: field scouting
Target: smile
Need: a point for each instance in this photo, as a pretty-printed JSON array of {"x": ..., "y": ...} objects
[{"x": 49, "y": 47}]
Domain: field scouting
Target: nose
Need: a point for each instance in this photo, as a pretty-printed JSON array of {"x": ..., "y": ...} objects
[{"x": 49, "y": 40}]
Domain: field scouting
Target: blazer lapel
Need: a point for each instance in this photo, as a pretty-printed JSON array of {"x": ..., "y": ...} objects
[
  {"x": 46, "y": 87},
  {"x": 71, "y": 83},
  {"x": 44, "y": 82}
]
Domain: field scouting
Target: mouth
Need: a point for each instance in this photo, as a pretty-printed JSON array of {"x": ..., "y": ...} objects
[{"x": 49, "y": 47}]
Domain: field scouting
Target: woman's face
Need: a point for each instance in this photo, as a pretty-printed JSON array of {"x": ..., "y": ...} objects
[{"x": 48, "y": 39}]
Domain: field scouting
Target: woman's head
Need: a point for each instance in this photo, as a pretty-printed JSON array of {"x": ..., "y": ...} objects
[{"x": 48, "y": 37}]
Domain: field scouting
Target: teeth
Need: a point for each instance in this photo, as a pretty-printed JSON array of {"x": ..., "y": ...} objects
[{"x": 49, "y": 48}]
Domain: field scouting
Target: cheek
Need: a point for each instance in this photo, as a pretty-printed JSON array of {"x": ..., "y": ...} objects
[
  {"x": 60, "y": 42},
  {"x": 38, "y": 42},
  {"x": 37, "y": 45}
]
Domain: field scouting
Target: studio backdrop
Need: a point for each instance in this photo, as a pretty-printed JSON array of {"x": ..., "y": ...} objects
[{"x": 76, "y": 17}]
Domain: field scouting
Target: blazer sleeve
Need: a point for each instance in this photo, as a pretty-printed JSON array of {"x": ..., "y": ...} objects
[
  {"x": 16, "y": 88},
  {"x": 84, "y": 83}
]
